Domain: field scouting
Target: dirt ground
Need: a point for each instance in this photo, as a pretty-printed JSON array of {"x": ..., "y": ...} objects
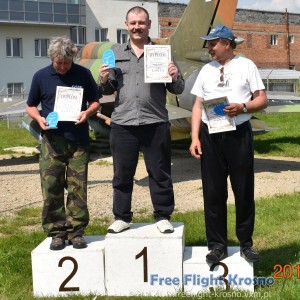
[{"x": 20, "y": 184}]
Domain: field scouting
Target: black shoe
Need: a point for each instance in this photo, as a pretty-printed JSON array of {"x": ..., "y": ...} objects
[
  {"x": 216, "y": 255},
  {"x": 249, "y": 254},
  {"x": 58, "y": 243},
  {"x": 78, "y": 242}
]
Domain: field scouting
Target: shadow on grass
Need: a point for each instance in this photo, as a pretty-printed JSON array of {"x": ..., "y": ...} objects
[
  {"x": 275, "y": 165},
  {"x": 283, "y": 255},
  {"x": 274, "y": 144},
  {"x": 21, "y": 160}
]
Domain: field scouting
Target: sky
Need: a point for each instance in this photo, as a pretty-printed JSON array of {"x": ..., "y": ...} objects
[{"x": 292, "y": 6}]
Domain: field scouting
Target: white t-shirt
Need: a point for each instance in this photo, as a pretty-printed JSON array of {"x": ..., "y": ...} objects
[{"x": 241, "y": 79}]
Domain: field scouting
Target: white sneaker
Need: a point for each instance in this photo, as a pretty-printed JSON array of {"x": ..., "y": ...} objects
[
  {"x": 164, "y": 226},
  {"x": 118, "y": 226}
]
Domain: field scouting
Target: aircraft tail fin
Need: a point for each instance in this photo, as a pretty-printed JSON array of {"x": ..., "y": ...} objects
[{"x": 198, "y": 19}]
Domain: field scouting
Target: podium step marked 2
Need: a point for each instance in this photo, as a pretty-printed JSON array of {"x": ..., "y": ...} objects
[
  {"x": 138, "y": 261},
  {"x": 69, "y": 271}
]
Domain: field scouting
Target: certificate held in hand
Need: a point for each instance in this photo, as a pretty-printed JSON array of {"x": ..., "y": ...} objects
[
  {"x": 156, "y": 61},
  {"x": 68, "y": 102}
]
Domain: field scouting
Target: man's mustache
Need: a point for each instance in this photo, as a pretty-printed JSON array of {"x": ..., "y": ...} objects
[{"x": 137, "y": 31}]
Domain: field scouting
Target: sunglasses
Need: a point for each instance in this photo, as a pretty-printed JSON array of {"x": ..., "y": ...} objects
[{"x": 221, "y": 83}]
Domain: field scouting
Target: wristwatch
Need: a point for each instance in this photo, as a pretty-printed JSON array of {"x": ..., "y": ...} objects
[{"x": 245, "y": 108}]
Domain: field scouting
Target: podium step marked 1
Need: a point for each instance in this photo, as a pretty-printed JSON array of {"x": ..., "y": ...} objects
[
  {"x": 144, "y": 261},
  {"x": 138, "y": 261}
]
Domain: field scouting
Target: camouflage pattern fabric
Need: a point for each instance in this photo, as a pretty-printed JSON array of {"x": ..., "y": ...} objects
[{"x": 63, "y": 165}]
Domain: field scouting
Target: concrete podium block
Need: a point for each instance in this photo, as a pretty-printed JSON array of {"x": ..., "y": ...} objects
[
  {"x": 69, "y": 271},
  {"x": 143, "y": 261},
  {"x": 234, "y": 272}
]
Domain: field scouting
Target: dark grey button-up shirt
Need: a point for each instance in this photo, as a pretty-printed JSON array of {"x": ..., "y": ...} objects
[{"x": 137, "y": 102}]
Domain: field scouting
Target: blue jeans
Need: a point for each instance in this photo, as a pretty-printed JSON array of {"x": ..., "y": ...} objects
[{"x": 154, "y": 141}]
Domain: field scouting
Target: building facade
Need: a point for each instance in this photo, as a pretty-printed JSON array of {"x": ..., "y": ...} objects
[
  {"x": 25, "y": 29},
  {"x": 272, "y": 39}
]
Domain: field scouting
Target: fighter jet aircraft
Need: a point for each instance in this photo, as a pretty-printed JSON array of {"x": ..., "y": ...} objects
[{"x": 190, "y": 54}]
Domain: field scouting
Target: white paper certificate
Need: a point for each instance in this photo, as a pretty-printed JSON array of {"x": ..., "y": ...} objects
[
  {"x": 68, "y": 102},
  {"x": 156, "y": 60},
  {"x": 217, "y": 120}
]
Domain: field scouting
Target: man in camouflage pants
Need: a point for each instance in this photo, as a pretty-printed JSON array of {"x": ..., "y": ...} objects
[
  {"x": 58, "y": 172},
  {"x": 64, "y": 149}
]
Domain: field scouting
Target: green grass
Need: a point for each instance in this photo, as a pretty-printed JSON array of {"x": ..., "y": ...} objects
[
  {"x": 276, "y": 237},
  {"x": 14, "y": 138},
  {"x": 284, "y": 140}
]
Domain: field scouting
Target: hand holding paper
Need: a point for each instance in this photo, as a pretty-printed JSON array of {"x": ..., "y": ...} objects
[{"x": 219, "y": 109}]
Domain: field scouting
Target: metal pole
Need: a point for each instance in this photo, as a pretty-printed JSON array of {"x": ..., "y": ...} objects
[{"x": 287, "y": 38}]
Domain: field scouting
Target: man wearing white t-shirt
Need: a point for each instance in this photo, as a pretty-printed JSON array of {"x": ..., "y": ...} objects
[{"x": 228, "y": 153}]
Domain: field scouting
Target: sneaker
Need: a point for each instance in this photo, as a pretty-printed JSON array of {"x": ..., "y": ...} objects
[
  {"x": 57, "y": 243},
  {"x": 216, "y": 255},
  {"x": 164, "y": 226},
  {"x": 78, "y": 242},
  {"x": 118, "y": 226},
  {"x": 249, "y": 254}
]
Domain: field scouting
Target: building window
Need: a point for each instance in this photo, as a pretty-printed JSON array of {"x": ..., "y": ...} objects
[
  {"x": 78, "y": 35},
  {"x": 4, "y": 5},
  {"x": 14, "y": 89},
  {"x": 291, "y": 39},
  {"x": 292, "y": 67},
  {"x": 16, "y": 5},
  {"x": 41, "y": 47},
  {"x": 281, "y": 87},
  {"x": 101, "y": 34},
  {"x": 274, "y": 39},
  {"x": 13, "y": 47},
  {"x": 16, "y": 16},
  {"x": 4, "y": 15},
  {"x": 122, "y": 36},
  {"x": 31, "y": 17}
]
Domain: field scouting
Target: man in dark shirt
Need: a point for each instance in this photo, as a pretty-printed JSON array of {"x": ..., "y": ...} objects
[
  {"x": 139, "y": 120},
  {"x": 64, "y": 150}
]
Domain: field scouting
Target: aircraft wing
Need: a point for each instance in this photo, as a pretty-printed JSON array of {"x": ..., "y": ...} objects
[
  {"x": 259, "y": 126},
  {"x": 282, "y": 107},
  {"x": 180, "y": 120},
  {"x": 283, "y": 103},
  {"x": 177, "y": 112}
]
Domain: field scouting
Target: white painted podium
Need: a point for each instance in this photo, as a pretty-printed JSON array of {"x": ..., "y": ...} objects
[
  {"x": 143, "y": 261},
  {"x": 138, "y": 261},
  {"x": 69, "y": 271},
  {"x": 233, "y": 272}
]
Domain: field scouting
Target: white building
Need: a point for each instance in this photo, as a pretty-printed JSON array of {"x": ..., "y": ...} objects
[{"x": 26, "y": 27}]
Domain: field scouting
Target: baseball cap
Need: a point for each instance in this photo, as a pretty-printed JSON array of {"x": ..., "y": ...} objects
[{"x": 222, "y": 32}]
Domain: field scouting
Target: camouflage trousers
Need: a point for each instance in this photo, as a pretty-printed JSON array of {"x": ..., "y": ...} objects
[{"x": 63, "y": 168}]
